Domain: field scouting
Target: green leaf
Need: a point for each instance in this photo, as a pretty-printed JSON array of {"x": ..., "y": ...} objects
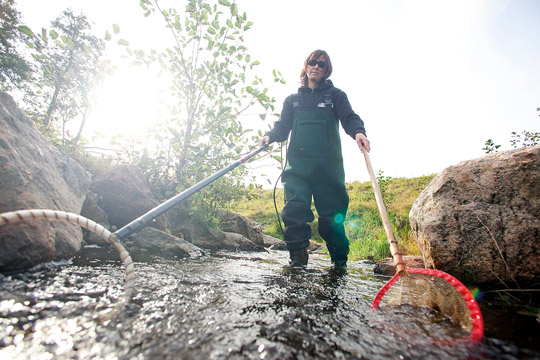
[
  {"x": 116, "y": 28},
  {"x": 224, "y": 2},
  {"x": 70, "y": 44},
  {"x": 108, "y": 36},
  {"x": 162, "y": 63},
  {"x": 25, "y": 30},
  {"x": 123, "y": 42}
]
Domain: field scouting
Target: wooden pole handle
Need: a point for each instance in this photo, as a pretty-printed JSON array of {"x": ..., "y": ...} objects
[{"x": 394, "y": 249}]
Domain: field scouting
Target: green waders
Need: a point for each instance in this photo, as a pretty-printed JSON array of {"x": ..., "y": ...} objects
[{"x": 315, "y": 169}]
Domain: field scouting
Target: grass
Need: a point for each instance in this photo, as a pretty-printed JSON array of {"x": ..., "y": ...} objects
[{"x": 363, "y": 224}]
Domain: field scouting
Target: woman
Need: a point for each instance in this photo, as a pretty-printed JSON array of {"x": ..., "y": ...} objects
[{"x": 314, "y": 160}]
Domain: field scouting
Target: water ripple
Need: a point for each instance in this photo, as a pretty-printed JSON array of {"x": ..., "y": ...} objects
[{"x": 226, "y": 306}]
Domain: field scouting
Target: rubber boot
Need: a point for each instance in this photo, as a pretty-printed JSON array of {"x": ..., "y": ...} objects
[
  {"x": 340, "y": 263},
  {"x": 299, "y": 258},
  {"x": 338, "y": 256},
  {"x": 296, "y": 216},
  {"x": 336, "y": 240}
]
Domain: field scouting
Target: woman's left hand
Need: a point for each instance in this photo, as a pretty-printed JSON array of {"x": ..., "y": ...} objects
[{"x": 362, "y": 141}]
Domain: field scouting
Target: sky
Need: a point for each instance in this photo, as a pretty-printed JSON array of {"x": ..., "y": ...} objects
[{"x": 432, "y": 79}]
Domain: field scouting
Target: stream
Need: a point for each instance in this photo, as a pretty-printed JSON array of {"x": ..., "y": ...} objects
[{"x": 233, "y": 305}]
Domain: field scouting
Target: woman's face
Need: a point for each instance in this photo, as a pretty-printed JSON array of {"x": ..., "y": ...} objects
[{"x": 316, "y": 69}]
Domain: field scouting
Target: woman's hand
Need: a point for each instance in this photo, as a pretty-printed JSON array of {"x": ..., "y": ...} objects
[
  {"x": 264, "y": 140},
  {"x": 363, "y": 142}
]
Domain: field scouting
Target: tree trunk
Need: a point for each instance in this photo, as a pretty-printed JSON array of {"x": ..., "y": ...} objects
[
  {"x": 83, "y": 122},
  {"x": 52, "y": 106}
]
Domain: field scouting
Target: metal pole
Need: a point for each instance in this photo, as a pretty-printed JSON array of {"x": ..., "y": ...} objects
[{"x": 145, "y": 219}]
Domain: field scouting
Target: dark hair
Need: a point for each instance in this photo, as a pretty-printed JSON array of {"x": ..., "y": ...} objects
[{"x": 315, "y": 55}]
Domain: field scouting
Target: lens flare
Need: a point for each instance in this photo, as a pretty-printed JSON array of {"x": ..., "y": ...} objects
[
  {"x": 339, "y": 218},
  {"x": 476, "y": 293}
]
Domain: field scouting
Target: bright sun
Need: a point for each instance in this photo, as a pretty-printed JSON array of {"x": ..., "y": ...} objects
[{"x": 128, "y": 102}]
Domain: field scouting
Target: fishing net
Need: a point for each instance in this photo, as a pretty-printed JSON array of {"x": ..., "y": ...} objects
[
  {"x": 436, "y": 290},
  {"x": 425, "y": 287}
]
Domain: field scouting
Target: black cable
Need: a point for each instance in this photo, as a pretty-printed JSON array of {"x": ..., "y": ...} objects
[{"x": 275, "y": 185}]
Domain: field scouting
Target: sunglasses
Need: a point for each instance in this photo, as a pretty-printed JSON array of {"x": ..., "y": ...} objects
[{"x": 321, "y": 64}]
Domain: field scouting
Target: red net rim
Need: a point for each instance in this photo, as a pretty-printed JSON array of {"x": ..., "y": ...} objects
[{"x": 477, "y": 332}]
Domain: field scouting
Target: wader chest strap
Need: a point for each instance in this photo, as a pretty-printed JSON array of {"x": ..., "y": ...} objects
[
  {"x": 328, "y": 101},
  {"x": 295, "y": 101}
]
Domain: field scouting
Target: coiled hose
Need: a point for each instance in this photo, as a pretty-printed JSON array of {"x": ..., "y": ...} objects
[{"x": 51, "y": 215}]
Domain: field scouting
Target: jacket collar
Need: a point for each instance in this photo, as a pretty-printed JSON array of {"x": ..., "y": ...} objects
[{"x": 328, "y": 84}]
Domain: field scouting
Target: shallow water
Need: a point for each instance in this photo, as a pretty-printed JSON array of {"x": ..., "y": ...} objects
[{"x": 228, "y": 306}]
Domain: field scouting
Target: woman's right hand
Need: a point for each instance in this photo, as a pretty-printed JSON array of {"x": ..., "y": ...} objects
[{"x": 264, "y": 140}]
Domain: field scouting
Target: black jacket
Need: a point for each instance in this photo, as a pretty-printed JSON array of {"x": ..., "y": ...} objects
[{"x": 309, "y": 100}]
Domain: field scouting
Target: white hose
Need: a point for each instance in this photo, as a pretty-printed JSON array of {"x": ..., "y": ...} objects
[{"x": 37, "y": 214}]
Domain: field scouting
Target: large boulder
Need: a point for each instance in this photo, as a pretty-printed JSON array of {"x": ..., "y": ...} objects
[
  {"x": 480, "y": 220},
  {"x": 35, "y": 175},
  {"x": 274, "y": 243},
  {"x": 162, "y": 243},
  {"x": 235, "y": 223},
  {"x": 93, "y": 209},
  {"x": 197, "y": 233},
  {"x": 125, "y": 195}
]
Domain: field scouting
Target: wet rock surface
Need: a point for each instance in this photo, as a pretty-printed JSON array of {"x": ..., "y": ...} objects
[{"x": 35, "y": 175}]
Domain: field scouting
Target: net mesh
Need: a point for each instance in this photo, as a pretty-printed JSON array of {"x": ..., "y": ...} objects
[{"x": 423, "y": 290}]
